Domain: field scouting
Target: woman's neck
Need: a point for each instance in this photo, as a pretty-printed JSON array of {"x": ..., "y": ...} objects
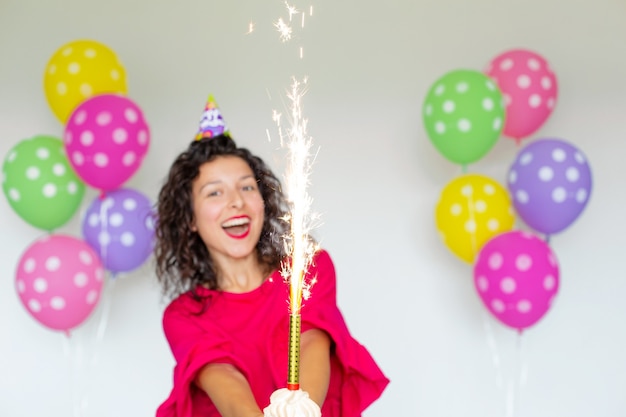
[{"x": 240, "y": 275}]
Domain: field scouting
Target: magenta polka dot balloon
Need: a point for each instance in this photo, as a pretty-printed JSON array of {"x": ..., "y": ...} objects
[
  {"x": 516, "y": 276},
  {"x": 106, "y": 139},
  {"x": 59, "y": 281}
]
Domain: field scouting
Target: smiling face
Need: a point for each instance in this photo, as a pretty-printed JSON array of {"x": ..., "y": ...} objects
[{"x": 228, "y": 208}]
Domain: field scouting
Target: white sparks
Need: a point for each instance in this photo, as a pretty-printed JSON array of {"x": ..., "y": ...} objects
[
  {"x": 284, "y": 25},
  {"x": 284, "y": 30},
  {"x": 250, "y": 28},
  {"x": 298, "y": 244},
  {"x": 291, "y": 10},
  {"x": 276, "y": 118}
]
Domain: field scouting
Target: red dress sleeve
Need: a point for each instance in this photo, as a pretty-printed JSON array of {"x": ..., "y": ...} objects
[
  {"x": 194, "y": 343},
  {"x": 356, "y": 379}
]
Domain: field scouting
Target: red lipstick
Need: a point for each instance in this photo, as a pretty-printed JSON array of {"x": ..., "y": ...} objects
[{"x": 237, "y": 227}]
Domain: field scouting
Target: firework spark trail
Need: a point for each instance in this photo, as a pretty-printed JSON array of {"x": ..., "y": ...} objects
[
  {"x": 297, "y": 243},
  {"x": 295, "y": 139},
  {"x": 284, "y": 29},
  {"x": 299, "y": 246}
]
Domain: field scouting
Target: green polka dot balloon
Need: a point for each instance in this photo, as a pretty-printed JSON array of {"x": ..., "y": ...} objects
[
  {"x": 39, "y": 183},
  {"x": 463, "y": 115}
]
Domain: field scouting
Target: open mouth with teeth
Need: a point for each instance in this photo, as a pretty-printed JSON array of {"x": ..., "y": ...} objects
[{"x": 237, "y": 227}]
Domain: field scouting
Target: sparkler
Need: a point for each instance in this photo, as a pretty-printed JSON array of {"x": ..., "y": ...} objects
[
  {"x": 298, "y": 244},
  {"x": 299, "y": 247}
]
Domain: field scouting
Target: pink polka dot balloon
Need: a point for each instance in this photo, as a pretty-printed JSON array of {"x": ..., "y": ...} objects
[
  {"x": 106, "y": 139},
  {"x": 59, "y": 281},
  {"x": 516, "y": 276},
  {"x": 529, "y": 88}
]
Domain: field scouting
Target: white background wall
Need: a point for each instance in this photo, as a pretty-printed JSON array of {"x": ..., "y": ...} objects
[{"x": 376, "y": 182}]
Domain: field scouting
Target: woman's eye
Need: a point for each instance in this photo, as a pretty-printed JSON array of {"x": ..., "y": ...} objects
[
  {"x": 249, "y": 187},
  {"x": 213, "y": 194}
]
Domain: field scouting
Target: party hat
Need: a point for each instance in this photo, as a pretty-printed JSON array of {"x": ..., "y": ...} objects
[{"x": 212, "y": 123}]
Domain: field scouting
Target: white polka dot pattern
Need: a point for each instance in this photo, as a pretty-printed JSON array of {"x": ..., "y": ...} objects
[
  {"x": 105, "y": 145},
  {"x": 550, "y": 181},
  {"x": 79, "y": 70},
  {"x": 530, "y": 88},
  {"x": 463, "y": 114},
  {"x": 516, "y": 276},
  {"x": 59, "y": 281},
  {"x": 36, "y": 174},
  {"x": 472, "y": 209},
  {"x": 120, "y": 228}
]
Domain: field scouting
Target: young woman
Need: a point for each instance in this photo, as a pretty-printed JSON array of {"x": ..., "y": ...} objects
[{"x": 221, "y": 221}]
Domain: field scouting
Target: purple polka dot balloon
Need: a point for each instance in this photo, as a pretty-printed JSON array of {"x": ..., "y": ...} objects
[
  {"x": 550, "y": 184},
  {"x": 120, "y": 228},
  {"x": 516, "y": 276}
]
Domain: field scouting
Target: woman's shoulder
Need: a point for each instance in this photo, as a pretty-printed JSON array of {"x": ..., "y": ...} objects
[
  {"x": 191, "y": 301},
  {"x": 322, "y": 270},
  {"x": 321, "y": 252},
  {"x": 321, "y": 259}
]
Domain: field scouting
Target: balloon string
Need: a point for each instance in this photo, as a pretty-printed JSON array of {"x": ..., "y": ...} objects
[
  {"x": 73, "y": 354},
  {"x": 518, "y": 379},
  {"x": 103, "y": 219},
  {"x": 493, "y": 347},
  {"x": 472, "y": 215},
  {"x": 516, "y": 382},
  {"x": 97, "y": 337},
  {"x": 523, "y": 364},
  {"x": 106, "y": 308}
]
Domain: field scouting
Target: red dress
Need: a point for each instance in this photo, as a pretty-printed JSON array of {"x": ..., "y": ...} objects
[{"x": 251, "y": 332}]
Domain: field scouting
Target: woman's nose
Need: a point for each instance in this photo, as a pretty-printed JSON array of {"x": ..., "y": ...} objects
[{"x": 236, "y": 200}]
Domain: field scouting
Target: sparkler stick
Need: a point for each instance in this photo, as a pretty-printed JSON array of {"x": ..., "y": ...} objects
[{"x": 293, "y": 374}]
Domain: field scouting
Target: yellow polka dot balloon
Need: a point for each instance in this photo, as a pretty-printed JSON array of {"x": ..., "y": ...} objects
[
  {"x": 79, "y": 70},
  {"x": 471, "y": 210}
]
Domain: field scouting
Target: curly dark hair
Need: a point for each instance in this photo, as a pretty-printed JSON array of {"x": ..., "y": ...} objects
[{"x": 182, "y": 259}]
